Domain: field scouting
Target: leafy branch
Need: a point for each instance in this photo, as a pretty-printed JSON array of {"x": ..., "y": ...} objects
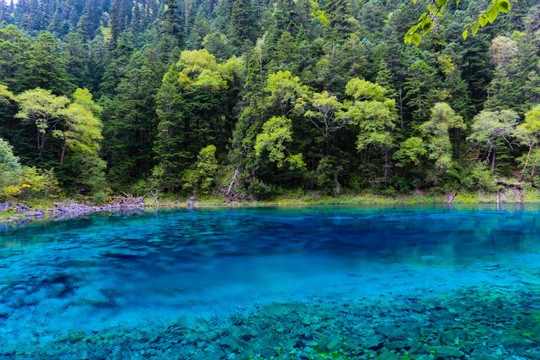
[{"x": 428, "y": 20}]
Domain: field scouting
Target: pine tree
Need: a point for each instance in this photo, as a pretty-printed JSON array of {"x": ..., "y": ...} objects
[
  {"x": 170, "y": 30},
  {"x": 337, "y": 14},
  {"x": 384, "y": 78},
  {"x": 242, "y": 22},
  {"x": 113, "y": 25}
]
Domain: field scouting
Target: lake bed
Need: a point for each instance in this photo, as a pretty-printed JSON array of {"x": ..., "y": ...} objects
[{"x": 418, "y": 282}]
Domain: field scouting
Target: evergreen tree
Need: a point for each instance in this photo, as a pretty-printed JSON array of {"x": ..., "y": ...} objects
[{"x": 242, "y": 22}]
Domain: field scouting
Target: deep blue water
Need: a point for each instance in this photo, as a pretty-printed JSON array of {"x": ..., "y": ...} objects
[{"x": 103, "y": 272}]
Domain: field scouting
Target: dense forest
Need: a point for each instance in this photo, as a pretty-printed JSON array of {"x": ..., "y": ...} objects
[{"x": 249, "y": 98}]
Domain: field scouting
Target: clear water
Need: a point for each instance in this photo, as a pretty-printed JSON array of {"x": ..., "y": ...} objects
[{"x": 116, "y": 286}]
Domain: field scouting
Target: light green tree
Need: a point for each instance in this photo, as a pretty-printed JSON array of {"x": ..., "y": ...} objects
[
  {"x": 375, "y": 115},
  {"x": 6, "y": 96},
  {"x": 83, "y": 126},
  {"x": 44, "y": 109},
  {"x": 8, "y": 161},
  {"x": 436, "y": 130},
  {"x": 274, "y": 141},
  {"x": 528, "y": 133},
  {"x": 325, "y": 112},
  {"x": 82, "y": 136},
  {"x": 285, "y": 90},
  {"x": 204, "y": 172},
  {"x": 490, "y": 126},
  {"x": 411, "y": 152}
]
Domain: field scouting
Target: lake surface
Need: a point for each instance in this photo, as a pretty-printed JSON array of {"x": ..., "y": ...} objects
[{"x": 433, "y": 282}]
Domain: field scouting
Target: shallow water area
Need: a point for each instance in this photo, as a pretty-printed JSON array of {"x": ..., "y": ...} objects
[{"x": 353, "y": 282}]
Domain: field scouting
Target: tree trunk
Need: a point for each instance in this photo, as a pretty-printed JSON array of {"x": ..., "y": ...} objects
[
  {"x": 42, "y": 145},
  {"x": 338, "y": 185},
  {"x": 63, "y": 153},
  {"x": 493, "y": 162},
  {"x": 534, "y": 169}
]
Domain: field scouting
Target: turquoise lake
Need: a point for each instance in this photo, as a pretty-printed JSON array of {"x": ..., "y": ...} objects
[{"x": 422, "y": 282}]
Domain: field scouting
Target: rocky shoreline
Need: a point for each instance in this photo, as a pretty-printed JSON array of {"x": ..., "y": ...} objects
[{"x": 67, "y": 209}]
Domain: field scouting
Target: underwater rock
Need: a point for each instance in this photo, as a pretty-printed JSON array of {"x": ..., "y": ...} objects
[
  {"x": 76, "y": 336},
  {"x": 231, "y": 343},
  {"x": 452, "y": 337},
  {"x": 388, "y": 355},
  {"x": 373, "y": 342},
  {"x": 394, "y": 332},
  {"x": 483, "y": 352},
  {"x": 447, "y": 352}
]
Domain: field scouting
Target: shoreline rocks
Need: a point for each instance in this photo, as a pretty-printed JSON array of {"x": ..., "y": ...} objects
[{"x": 68, "y": 209}]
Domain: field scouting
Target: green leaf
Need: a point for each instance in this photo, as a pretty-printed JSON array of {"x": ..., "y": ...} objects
[
  {"x": 504, "y": 6},
  {"x": 412, "y": 29},
  {"x": 465, "y": 34},
  {"x": 416, "y": 39},
  {"x": 414, "y": 1},
  {"x": 492, "y": 14},
  {"x": 407, "y": 38},
  {"x": 475, "y": 28},
  {"x": 427, "y": 27},
  {"x": 482, "y": 20},
  {"x": 457, "y": 2}
]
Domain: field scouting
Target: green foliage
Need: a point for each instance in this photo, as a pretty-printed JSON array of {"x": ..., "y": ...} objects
[
  {"x": 203, "y": 175},
  {"x": 528, "y": 133},
  {"x": 477, "y": 178},
  {"x": 8, "y": 161},
  {"x": 436, "y": 130},
  {"x": 44, "y": 110},
  {"x": 292, "y": 94},
  {"x": 259, "y": 189},
  {"x": 411, "y": 151},
  {"x": 490, "y": 126},
  {"x": 28, "y": 183},
  {"x": 428, "y": 20},
  {"x": 285, "y": 90},
  {"x": 274, "y": 141}
]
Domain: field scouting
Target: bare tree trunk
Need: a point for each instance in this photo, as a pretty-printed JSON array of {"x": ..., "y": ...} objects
[
  {"x": 338, "y": 185},
  {"x": 526, "y": 163},
  {"x": 452, "y": 196},
  {"x": 232, "y": 182},
  {"x": 493, "y": 162},
  {"x": 534, "y": 169}
]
